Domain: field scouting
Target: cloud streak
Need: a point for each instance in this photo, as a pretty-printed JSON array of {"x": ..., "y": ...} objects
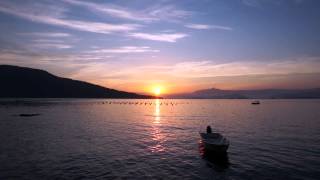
[
  {"x": 155, "y": 13},
  {"x": 258, "y": 3},
  {"x": 207, "y": 27},
  {"x": 208, "y": 69},
  {"x": 47, "y": 34},
  {"x": 206, "y": 73},
  {"x": 112, "y": 10},
  {"x": 126, "y": 50},
  {"x": 42, "y": 17},
  {"x": 165, "y": 37},
  {"x": 32, "y": 14},
  {"x": 49, "y": 45},
  {"x": 168, "y": 13}
]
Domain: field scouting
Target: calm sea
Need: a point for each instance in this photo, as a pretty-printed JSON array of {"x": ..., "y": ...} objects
[{"x": 158, "y": 139}]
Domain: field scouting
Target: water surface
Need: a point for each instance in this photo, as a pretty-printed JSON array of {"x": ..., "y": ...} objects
[{"x": 158, "y": 139}]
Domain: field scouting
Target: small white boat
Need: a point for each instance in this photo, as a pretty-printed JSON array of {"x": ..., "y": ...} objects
[{"x": 214, "y": 142}]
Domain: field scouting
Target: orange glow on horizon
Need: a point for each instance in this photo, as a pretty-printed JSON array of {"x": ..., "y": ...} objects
[{"x": 165, "y": 87}]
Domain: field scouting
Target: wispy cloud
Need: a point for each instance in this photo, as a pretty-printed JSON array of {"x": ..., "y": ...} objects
[
  {"x": 206, "y": 26},
  {"x": 166, "y": 37},
  {"x": 154, "y": 13},
  {"x": 31, "y": 57},
  {"x": 168, "y": 12},
  {"x": 112, "y": 10},
  {"x": 258, "y": 3},
  {"x": 206, "y": 73},
  {"x": 41, "y": 16},
  {"x": 51, "y": 46},
  {"x": 47, "y": 40},
  {"x": 47, "y": 34},
  {"x": 209, "y": 69},
  {"x": 126, "y": 49}
]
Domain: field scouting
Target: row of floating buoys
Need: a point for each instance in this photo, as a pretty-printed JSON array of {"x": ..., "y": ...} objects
[{"x": 144, "y": 103}]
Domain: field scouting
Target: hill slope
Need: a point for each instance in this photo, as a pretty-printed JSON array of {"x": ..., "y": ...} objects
[{"x": 33, "y": 83}]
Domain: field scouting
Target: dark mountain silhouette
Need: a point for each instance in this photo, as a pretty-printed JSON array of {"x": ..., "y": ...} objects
[
  {"x": 24, "y": 82},
  {"x": 251, "y": 94}
]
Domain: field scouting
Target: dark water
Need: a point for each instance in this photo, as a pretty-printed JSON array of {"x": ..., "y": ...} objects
[{"x": 88, "y": 139}]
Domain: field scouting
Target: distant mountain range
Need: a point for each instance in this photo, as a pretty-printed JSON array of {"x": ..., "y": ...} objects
[
  {"x": 21, "y": 82},
  {"x": 251, "y": 94}
]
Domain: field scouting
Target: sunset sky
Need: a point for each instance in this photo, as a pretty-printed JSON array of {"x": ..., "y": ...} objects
[{"x": 173, "y": 45}]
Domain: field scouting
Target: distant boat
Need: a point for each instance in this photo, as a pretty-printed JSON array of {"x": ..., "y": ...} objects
[
  {"x": 255, "y": 102},
  {"x": 214, "y": 142},
  {"x": 29, "y": 115}
]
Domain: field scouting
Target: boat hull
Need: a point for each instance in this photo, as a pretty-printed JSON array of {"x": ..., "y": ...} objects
[
  {"x": 214, "y": 142},
  {"x": 215, "y": 148}
]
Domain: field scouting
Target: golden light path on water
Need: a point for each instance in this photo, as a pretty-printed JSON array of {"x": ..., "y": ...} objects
[
  {"x": 157, "y": 136},
  {"x": 157, "y": 111}
]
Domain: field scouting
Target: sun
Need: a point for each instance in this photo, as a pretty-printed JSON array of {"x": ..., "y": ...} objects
[{"x": 157, "y": 90}]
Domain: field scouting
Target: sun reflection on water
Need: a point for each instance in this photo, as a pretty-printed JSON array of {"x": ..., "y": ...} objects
[
  {"x": 157, "y": 112},
  {"x": 157, "y": 135}
]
